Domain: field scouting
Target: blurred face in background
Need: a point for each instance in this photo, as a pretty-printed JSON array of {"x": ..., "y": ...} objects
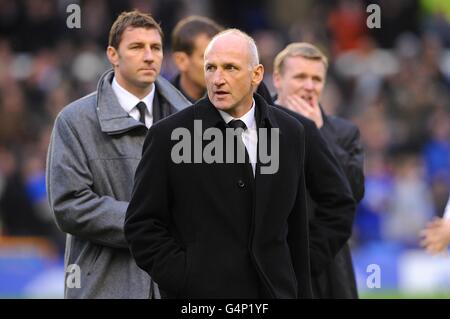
[
  {"x": 301, "y": 77},
  {"x": 137, "y": 61},
  {"x": 191, "y": 66}
]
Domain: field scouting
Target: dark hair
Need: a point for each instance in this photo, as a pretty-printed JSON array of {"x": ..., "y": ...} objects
[
  {"x": 134, "y": 19},
  {"x": 187, "y": 29}
]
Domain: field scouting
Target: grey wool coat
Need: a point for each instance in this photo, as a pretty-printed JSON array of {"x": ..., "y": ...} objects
[{"x": 93, "y": 154}]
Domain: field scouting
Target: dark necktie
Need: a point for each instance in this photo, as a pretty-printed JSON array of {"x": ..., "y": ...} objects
[
  {"x": 237, "y": 124},
  {"x": 142, "y": 107}
]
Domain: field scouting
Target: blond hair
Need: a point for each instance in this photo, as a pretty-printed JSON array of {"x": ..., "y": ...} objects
[{"x": 302, "y": 49}]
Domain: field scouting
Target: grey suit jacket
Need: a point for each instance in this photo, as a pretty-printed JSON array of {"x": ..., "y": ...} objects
[{"x": 93, "y": 154}]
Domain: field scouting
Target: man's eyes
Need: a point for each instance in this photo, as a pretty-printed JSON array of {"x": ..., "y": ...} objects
[
  {"x": 226, "y": 67},
  {"x": 230, "y": 67},
  {"x": 153, "y": 48}
]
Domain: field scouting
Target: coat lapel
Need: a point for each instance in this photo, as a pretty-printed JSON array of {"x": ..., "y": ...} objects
[{"x": 113, "y": 118}]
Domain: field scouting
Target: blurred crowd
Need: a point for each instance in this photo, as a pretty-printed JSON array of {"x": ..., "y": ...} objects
[{"x": 393, "y": 82}]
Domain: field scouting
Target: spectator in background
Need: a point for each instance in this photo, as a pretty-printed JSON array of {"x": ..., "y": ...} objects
[
  {"x": 373, "y": 208},
  {"x": 436, "y": 18},
  {"x": 22, "y": 211},
  {"x": 347, "y": 25},
  {"x": 95, "y": 147},
  {"x": 42, "y": 18},
  {"x": 299, "y": 78},
  {"x": 410, "y": 202},
  {"x": 436, "y": 154},
  {"x": 436, "y": 236},
  {"x": 189, "y": 40}
]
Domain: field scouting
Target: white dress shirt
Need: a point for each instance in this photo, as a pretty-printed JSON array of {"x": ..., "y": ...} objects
[
  {"x": 129, "y": 101},
  {"x": 250, "y": 135}
]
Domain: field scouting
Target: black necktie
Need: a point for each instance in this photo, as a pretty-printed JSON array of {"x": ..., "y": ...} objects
[
  {"x": 237, "y": 124},
  {"x": 141, "y": 107}
]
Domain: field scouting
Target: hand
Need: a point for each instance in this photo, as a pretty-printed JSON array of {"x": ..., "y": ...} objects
[
  {"x": 309, "y": 109},
  {"x": 436, "y": 236}
]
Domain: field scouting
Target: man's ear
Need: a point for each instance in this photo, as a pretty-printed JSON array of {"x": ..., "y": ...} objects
[
  {"x": 258, "y": 74},
  {"x": 113, "y": 56},
  {"x": 181, "y": 60}
]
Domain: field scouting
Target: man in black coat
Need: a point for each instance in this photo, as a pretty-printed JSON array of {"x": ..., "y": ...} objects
[
  {"x": 325, "y": 181},
  {"x": 211, "y": 230},
  {"x": 299, "y": 77}
]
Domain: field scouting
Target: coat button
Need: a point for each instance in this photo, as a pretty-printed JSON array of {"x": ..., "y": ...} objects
[{"x": 241, "y": 183}]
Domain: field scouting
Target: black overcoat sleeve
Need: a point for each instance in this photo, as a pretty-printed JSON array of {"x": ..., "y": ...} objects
[{"x": 152, "y": 243}]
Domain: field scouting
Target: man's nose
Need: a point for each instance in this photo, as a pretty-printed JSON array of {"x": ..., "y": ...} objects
[
  {"x": 308, "y": 84},
  {"x": 148, "y": 55},
  {"x": 218, "y": 78}
]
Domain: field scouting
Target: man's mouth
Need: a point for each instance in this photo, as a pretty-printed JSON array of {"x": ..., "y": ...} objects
[
  {"x": 148, "y": 69},
  {"x": 220, "y": 93}
]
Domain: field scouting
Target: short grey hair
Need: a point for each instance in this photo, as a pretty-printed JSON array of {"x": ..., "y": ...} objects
[{"x": 253, "y": 49}]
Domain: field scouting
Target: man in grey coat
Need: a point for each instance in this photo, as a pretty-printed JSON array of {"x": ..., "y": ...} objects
[{"x": 95, "y": 148}]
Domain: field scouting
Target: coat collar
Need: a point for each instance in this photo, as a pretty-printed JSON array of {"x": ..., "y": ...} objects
[{"x": 114, "y": 119}]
